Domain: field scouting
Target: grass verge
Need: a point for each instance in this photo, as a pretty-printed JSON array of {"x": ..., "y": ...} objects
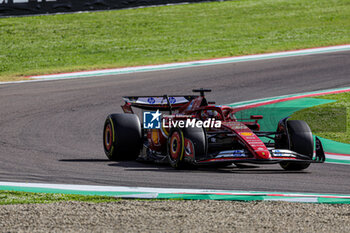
[
  {"x": 14, "y": 197},
  {"x": 74, "y": 42},
  {"x": 329, "y": 120}
]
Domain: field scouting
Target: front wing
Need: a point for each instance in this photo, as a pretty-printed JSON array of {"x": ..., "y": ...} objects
[{"x": 277, "y": 156}]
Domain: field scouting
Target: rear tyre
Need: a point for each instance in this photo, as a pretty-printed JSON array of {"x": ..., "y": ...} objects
[
  {"x": 301, "y": 141},
  {"x": 122, "y": 138}
]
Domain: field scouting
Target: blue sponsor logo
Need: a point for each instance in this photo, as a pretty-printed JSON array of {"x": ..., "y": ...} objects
[
  {"x": 172, "y": 100},
  {"x": 151, "y": 100},
  {"x": 232, "y": 153},
  {"x": 151, "y": 120}
]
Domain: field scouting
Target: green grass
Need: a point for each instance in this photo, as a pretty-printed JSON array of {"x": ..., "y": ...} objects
[
  {"x": 62, "y": 43},
  {"x": 14, "y": 197},
  {"x": 331, "y": 120}
]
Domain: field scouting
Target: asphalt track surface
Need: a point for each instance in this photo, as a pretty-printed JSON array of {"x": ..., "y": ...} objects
[{"x": 51, "y": 132}]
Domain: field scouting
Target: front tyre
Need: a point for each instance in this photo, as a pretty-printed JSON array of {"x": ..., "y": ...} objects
[
  {"x": 122, "y": 138},
  {"x": 190, "y": 142},
  {"x": 176, "y": 148},
  {"x": 301, "y": 141}
]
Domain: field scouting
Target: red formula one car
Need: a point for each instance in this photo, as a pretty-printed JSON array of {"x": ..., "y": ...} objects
[{"x": 188, "y": 131}]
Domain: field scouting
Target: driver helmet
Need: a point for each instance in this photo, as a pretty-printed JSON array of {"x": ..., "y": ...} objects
[{"x": 206, "y": 114}]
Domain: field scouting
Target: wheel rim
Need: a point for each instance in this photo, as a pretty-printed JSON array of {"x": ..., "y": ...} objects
[
  {"x": 175, "y": 145},
  {"x": 108, "y": 137}
]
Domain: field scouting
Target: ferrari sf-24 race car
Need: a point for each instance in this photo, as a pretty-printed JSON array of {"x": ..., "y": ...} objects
[{"x": 188, "y": 131}]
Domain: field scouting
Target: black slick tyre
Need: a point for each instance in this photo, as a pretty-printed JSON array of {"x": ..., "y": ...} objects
[
  {"x": 198, "y": 138},
  {"x": 301, "y": 141},
  {"x": 122, "y": 138}
]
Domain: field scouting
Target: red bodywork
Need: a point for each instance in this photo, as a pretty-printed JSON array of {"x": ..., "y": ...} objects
[
  {"x": 229, "y": 122},
  {"x": 157, "y": 138}
]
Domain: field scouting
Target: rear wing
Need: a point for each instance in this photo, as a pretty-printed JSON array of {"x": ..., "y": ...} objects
[{"x": 162, "y": 103}]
